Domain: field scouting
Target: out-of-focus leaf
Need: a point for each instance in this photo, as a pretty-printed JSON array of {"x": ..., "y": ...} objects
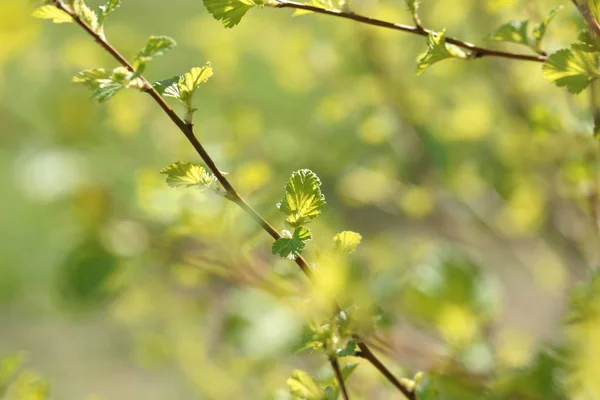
[
  {"x": 347, "y": 241},
  {"x": 437, "y": 50},
  {"x": 292, "y": 247},
  {"x": 539, "y": 30},
  {"x": 106, "y": 9},
  {"x": 57, "y": 16},
  {"x": 85, "y": 273},
  {"x": 303, "y": 386},
  {"x": 188, "y": 175},
  {"x": 514, "y": 31},
  {"x": 303, "y": 200}
]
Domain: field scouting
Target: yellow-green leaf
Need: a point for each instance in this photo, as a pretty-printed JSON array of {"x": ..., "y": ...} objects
[
  {"x": 438, "y": 50},
  {"x": 57, "y": 16},
  {"x": 187, "y": 174},
  {"x": 347, "y": 241},
  {"x": 303, "y": 200}
]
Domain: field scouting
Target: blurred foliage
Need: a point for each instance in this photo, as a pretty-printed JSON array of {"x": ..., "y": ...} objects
[{"x": 473, "y": 187}]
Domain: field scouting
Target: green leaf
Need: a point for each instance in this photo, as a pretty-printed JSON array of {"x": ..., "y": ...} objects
[
  {"x": 86, "y": 14},
  {"x": 187, "y": 174},
  {"x": 57, "y": 15},
  {"x": 162, "y": 86},
  {"x": 514, "y": 31},
  {"x": 303, "y": 386},
  {"x": 426, "y": 388},
  {"x": 571, "y": 68},
  {"x": 303, "y": 200},
  {"x": 190, "y": 81},
  {"x": 107, "y": 90},
  {"x": 104, "y": 84},
  {"x": 348, "y": 350},
  {"x": 155, "y": 46},
  {"x": 291, "y": 247},
  {"x": 540, "y": 29},
  {"x": 413, "y": 7},
  {"x": 348, "y": 369},
  {"x": 438, "y": 50},
  {"x": 347, "y": 241},
  {"x": 106, "y": 9},
  {"x": 229, "y": 12},
  {"x": 101, "y": 83}
]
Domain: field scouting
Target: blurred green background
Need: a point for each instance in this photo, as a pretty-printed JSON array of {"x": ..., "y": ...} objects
[{"x": 471, "y": 185}]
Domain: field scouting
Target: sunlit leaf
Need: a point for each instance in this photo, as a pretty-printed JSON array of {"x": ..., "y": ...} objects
[
  {"x": 169, "y": 84},
  {"x": 347, "y": 241},
  {"x": 539, "y": 30},
  {"x": 57, "y": 15},
  {"x": 229, "y": 12},
  {"x": 187, "y": 174},
  {"x": 155, "y": 46},
  {"x": 291, "y": 247},
  {"x": 190, "y": 81},
  {"x": 303, "y": 386},
  {"x": 514, "y": 31},
  {"x": 437, "y": 50},
  {"x": 303, "y": 199},
  {"x": 571, "y": 68}
]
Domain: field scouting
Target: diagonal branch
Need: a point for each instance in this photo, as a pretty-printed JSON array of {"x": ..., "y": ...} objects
[
  {"x": 339, "y": 377},
  {"x": 477, "y": 52},
  {"x": 232, "y": 194}
]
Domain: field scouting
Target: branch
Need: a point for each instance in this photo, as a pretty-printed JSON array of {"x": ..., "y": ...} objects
[
  {"x": 367, "y": 354},
  {"x": 338, "y": 375},
  {"x": 187, "y": 130},
  {"x": 478, "y": 52}
]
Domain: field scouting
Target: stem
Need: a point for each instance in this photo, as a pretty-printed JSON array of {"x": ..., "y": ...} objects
[
  {"x": 338, "y": 375},
  {"x": 232, "y": 194},
  {"x": 478, "y": 52},
  {"x": 367, "y": 354}
]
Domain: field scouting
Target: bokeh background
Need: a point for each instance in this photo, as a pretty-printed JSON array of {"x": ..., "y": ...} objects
[{"x": 473, "y": 186}]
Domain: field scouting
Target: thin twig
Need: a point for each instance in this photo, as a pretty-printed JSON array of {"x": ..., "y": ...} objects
[
  {"x": 340, "y": 378},
  {"x": 478, "y": 52},
  {"x": 232, "y": 194},
  {"x": 367, "y": 354}
]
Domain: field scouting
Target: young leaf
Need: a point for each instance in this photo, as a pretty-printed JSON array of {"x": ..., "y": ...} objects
[
  {"x": 438, "y": 50},
  {"x": 571, "y": 68},
  {"x": 106, "y": 9},
  {"x": 348, "y": 369},
  {"x": 540, "y": 29},
  {"x": 348, "y": 350},
  {"x": 86, "y": 14},
  {"x": 347, "y": 241},
  {"x": 155, "y": 46},
  {"x": 303, "y": 386},
  {"x": 104, "y": 84},
  {"x": 230, "y": 12},
  {"x": 187, "y": 174},
  {"x": 162, "y": 86},
  {"x": 514, "y": 31},
  {"x": 291, "y": 248},
  {"x": 57, "y": 15},
  {"x": 303, "y": 200},
  {"x": 190, "y": 81},
  {"x": 413, "y": 7}
]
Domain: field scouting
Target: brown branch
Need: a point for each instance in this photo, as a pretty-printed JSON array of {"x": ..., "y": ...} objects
[
  {"x": 477, "y": 52},
  {"x": 367, "y": 354},
  {"x": 340, "y": 378},
  {"x": 187, "y": 130}
]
